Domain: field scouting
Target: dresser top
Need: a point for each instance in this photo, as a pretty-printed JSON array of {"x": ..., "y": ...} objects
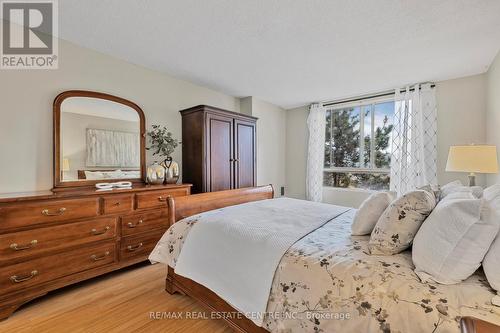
[{"x": 45, "y": 195}]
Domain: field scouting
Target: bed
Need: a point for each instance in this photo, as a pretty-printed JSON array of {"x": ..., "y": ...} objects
[{"x": 326, "y": 281}]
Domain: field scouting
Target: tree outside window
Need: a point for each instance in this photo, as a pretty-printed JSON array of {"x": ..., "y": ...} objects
[{"x": 358, "y": 146}]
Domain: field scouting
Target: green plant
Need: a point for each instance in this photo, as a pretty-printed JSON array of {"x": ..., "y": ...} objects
[{"x": 162, "y": 142}]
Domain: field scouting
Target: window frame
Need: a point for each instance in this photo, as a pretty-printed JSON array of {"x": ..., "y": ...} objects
[{"x": 362, "y": 169}]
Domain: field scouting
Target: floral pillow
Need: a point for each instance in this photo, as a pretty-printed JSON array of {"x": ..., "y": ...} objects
[{"x": 398, "y": 225}]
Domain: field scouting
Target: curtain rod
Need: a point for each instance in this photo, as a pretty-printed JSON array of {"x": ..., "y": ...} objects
[{"x": 369, "y": 96}]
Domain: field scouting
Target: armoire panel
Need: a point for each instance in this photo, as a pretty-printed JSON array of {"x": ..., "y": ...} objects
[
  {"x": 245, "y": 154},
  {"x": 220, "y": 156}
]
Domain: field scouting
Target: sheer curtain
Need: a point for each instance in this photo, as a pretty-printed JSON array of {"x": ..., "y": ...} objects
[
  {"x": 316, "y": 123},
  {"x": 414, "y": 139}
]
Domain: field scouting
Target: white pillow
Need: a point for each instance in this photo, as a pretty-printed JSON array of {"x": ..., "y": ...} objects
[
  {"x": 452, "y": 242},
  {"x": 115, "y": 174},
  {"x": 445, "y": 189},
  {"x": 369, "y": 212},
  {"x": 492, "y": 194},
  {"x": 396, "y": 228},
  {"x": 457, "y": 186},
  {"x": 491, "y": 262},
  {"x": 94, "y": 175}
]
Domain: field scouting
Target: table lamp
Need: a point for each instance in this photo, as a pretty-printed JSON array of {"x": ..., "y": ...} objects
[
  {"x": 65, "y": 164},
  {"x": 472, "y": 159}
]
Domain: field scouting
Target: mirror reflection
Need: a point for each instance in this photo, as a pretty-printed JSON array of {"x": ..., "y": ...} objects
[{"x": 100, "y": 140}]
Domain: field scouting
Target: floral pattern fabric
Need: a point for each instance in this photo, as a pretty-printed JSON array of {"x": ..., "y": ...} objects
[
  {"x": 328, "y": 282},
  {"x": 399, "y": 223}
]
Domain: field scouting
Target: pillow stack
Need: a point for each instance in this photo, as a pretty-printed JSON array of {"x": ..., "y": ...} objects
[
  {"x": 454, "y": 229},
  {"x": 393, "y": 223}
]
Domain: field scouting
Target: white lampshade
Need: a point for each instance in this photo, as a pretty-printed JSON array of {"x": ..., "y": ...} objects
[
  {"x": 473, "y": 158},
  {"x": 65, "y": 164}
]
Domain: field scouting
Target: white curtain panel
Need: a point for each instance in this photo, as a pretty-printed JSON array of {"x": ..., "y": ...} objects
[
  {"x": 414, "y": 139},
  {"x": 107, "y": 148},
  {"x": 316, "y": 123}
]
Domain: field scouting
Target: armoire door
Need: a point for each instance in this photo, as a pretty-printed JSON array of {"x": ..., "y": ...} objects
[
  {"x": 219, "y": 139},
  {"x": 245, "y": 154}
]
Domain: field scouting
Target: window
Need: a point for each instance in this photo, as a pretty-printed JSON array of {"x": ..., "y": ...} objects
[{"x": 358, "y": 145}]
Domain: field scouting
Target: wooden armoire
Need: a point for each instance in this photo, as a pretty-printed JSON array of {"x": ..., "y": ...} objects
[{"x": 219, "y": 149}]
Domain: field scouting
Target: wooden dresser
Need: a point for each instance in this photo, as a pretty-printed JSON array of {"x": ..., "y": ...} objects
[{"x": 50, "y": 240}]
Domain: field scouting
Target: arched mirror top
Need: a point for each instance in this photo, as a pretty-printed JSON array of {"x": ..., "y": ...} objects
[{"x": 97, "y": 138}]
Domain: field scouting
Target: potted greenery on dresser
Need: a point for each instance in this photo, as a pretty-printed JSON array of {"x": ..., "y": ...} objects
[{"x": 163, "y": 145}]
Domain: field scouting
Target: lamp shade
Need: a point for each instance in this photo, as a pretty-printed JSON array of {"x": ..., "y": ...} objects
[
  {"x": 65, "y": 164},
  {"x": 473, "y": 158}
]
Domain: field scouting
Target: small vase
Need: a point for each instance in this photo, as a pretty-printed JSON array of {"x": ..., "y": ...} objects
[
  {"x": 172, "y": 171},
  {"x": 155, "y": 174}
]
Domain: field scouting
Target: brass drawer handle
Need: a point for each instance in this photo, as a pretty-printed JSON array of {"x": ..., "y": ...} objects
[
  {"x": 162, "y": 199},
  {"x": 117, "y": 203},
  {"x": 60, "y": 211},
  {"x": 96, "y": 258},
  {"x": 134, "y": 248},
  {"x": 100, "y": 232},
  {"x": 18, "y": 279},
  {"x": 17, "y": 247},
  {"x": 131, "y": 225}
]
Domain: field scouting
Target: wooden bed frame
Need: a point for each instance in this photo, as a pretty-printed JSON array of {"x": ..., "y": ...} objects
[{"x": 182, "y": 207}]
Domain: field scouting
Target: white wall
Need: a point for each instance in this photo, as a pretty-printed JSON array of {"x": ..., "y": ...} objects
[
  {"x": 296, "y": 152},
  {"x": 461, "y": 120},
  {"x": 26, "y": 107},
  {"x": 493, "y": 110},
  {"x": 246, "y": 105},
  {"x": 26, "y": 113},
  {"x": 271, "y": 137}
]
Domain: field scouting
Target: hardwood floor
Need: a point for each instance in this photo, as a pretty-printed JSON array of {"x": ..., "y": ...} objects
[{"x": 117, "y": 302}]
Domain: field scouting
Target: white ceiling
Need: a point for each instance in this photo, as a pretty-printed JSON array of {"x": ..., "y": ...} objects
[{"x": 292, "y": 52}]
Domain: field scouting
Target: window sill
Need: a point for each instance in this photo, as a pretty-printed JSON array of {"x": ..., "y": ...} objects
[{"x": 351, "y": 189}]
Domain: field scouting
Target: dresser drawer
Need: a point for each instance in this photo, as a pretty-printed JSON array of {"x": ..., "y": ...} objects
[
  {"x": 154, "y": 199},
  {"x": 37, "y": 271},
  {"x": 26, "y": 243},
  {"x": 134, "y": 224},
  {"x": 118, "y": 204},
  {"x": 132, "y": 247},
  {"x": 21, "y": 215}
]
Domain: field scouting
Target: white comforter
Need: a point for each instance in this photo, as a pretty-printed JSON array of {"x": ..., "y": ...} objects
[{"x": 234, "y": 251}]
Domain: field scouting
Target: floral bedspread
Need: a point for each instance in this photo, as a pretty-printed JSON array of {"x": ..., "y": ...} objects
[{"x": 327, "y": 282}]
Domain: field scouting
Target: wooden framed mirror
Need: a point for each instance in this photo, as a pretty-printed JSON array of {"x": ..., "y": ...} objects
[{"x": 97, "y": 138}]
